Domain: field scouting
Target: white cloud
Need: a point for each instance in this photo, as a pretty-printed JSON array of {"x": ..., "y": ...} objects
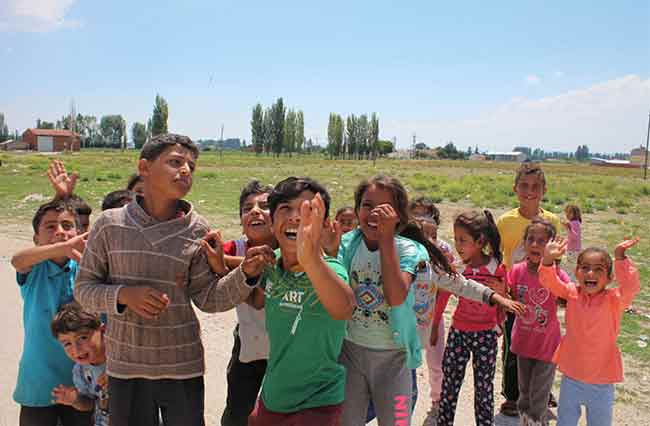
[
  {"x": 532, "y": 79},
  {"x": 608, "y": 117},
  {"x": 36, "y": 15}
]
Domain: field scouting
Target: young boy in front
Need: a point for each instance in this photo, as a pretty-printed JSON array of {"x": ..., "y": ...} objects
[
  {"x": 81, "y": 334},
  {"x": 530, "y": 187},
  {"x": 251, "y": 348},
  {"x": 306, "y": 300},
  {"x": 144, "y": 266},
  {"x": 45, "y": 275}
]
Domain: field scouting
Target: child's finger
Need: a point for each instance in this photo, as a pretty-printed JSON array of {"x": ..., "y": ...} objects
[{"x": 75, "y": 255}]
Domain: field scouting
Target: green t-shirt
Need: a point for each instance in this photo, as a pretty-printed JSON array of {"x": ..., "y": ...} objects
[{"x": 305, "y": 343}]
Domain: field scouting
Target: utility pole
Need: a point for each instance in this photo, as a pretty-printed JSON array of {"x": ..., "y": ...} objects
[
  {"x": 413, "y": 147},
  {"x": 221, "y": 144},
  {"x": 645, "y": 163}
]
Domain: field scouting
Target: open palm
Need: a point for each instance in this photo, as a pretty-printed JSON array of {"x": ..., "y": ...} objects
[{"x": 312, "y": 214}]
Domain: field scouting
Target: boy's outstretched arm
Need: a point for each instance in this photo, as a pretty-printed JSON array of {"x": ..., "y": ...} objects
[
  {"x": 626, "y": 273},
  {"x": 334, "y": 294},
  {"x": 72, "y": 249}
]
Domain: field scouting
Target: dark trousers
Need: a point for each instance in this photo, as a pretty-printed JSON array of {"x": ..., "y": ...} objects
[
  {"x": 244, "y": 382},
  {"x": 54, "y": 415},
  {"x": 135, "y": 402},
  {"x": 509, "y": 384}
]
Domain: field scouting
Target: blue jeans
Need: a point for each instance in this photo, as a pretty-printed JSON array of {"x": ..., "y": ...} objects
[{"x": 597, "y": 399}]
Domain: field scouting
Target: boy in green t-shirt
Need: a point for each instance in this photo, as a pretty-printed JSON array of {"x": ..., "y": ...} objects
[
  {"x": 307, "y": 299},
  {"x": 530, "y": 187}
]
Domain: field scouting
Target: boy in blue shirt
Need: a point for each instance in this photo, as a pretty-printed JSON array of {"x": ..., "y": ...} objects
[{"x": 45, "y": 274}]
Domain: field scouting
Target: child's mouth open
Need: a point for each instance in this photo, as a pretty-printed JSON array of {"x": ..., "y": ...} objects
[
  {"x": 591, "y": 283},
  {"x": 291, "y": 234}
]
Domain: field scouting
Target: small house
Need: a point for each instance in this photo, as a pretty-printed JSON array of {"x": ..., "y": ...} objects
[{"x": 51, "y": 140}]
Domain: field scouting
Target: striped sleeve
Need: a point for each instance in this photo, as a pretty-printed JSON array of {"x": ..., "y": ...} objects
[{"x": 92, "y": 289}]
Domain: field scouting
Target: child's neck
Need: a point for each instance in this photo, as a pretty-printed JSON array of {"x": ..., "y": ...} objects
[
  {"x": 162, "y": 210},
  {"x": 532, "y": 267},
  {"x": 529, "y": 212},
  {"x": 480, "y": 260}
]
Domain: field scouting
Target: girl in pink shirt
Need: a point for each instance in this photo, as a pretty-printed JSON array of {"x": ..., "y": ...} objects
[
  {"x": 573, "y": 225},
  {"x": 588, "y": 356},
  {"x": 473, "y": 329},
  {"x": 536, "y": 333}
]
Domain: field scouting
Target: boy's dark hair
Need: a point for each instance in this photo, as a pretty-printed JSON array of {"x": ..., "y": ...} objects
[
  {"x": 428, "y": 205},
  {"x": 253, "y": 187},
  {"x": 389, "y": 183},
  {"x": 133, "y": 181},
  {"x": 291, "y": 187},
  {"x": 343, "y": 210},
  {"x": 58, "y": 205},
  {"x": 152, "y": 149},
  {"x": 439, "y": 261},
  {"x": 574, "y": 211},
  {"x": 116, "y": 199},
  {"x": 603, "y": 253},
  {"x": 481, "y": 224},
  {"x": 71, "y": 318},
  {"x": 81, "y": 206},
  {"x": 530, "y": 168},
  {"x": 551, "y": 232}
]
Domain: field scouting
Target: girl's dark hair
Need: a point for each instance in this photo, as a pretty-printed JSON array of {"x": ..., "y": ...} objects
[
  {"x": 428, "y": 205},
  {"x": 548, "y": 227},
  {"x": 603, "y": 253},
  {"x": 343, "y": 210},
  {"x": 133, "y": 181},
  {"x": 389, "y": 183},
  {"x": 439, "y": 261},
  {"x": 574, "y": 211},
  {"x": 71, "y": 318},
  {"x": 481, "y": 225}
]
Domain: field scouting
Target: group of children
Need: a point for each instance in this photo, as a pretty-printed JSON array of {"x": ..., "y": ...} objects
[{"x": 333, "y": 313}]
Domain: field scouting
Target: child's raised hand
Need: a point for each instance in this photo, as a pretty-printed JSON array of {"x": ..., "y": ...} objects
[
  {"x": 554, "y": 250},
  {"x": 310, "y": 230},
  {"x": 621, "y": 248},
  {"x": 62, "y": 183},
  {"x": 64, "y": 395},
  {"x": 144, "y": 301},
  {"x": 256, "y": 260},
  {"x": 509, "y": 305},
  {"x": 331, "y": 237},
  {"x": 75, "y": 246},
  {"x": 387, "y": 221},
  {"x": 212, "y": 245}
]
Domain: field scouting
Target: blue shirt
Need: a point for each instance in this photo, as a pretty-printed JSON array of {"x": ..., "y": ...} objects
[
  {"x": 44, "y": 364},
  {"x": 85, "y": 380}
]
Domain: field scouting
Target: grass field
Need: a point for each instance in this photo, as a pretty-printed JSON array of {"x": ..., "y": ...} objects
[{"x": 615, "y": 202}]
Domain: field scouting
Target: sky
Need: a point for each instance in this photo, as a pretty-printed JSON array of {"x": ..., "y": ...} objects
[{"x": 550, "y": 75}]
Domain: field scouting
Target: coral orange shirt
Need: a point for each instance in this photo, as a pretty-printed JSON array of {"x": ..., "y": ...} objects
[{"x": 588, "y": 351}]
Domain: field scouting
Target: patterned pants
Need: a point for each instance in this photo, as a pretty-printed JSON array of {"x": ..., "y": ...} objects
[{"x": 482, "y": 346}]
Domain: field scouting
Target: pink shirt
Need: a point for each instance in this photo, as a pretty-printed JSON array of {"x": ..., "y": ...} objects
[
  {"x": 470, "y": 315},
  {"x": 536, "y": 333},
  {"x": 574, "y": 240},
  {"x": 588, "y": 351}
]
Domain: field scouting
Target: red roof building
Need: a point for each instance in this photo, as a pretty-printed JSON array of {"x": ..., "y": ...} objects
[{"x": 51, "y": 140}]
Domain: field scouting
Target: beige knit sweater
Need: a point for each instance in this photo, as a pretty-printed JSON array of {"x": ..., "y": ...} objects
[{"x": 127, "y": 247}]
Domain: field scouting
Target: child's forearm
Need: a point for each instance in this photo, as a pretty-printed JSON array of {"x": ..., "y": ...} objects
[
  {"x": 395, "y": 282},
  {"x": 256, "y": 298},
  {"x": 335, "y": 295},
  {"x": 548, "y": 278},
  {"x": 627, "y": 277},
  {"x": 233, "y": 261},
  {"x": 25, "y": 259},
  {"x": 461, "y": 286}
]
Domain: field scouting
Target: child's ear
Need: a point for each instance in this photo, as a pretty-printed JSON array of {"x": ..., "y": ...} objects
[
  {"x": 143, "y": 167},
  {"x": 35, "y": 239}
]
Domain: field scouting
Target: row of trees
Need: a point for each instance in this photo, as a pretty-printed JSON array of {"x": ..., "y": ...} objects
[
  {"x": 356, "y": 138},
  {"x": 4, "y": 129},
  {"x": 111, "y": 130},
  {"x": 277, "y": 130}
]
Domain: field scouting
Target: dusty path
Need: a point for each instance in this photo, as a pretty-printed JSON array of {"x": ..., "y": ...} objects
[{"x": 217, "y": 338}]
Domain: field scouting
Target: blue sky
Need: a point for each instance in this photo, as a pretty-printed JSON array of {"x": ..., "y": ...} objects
[{"x": 552, "y": 75}]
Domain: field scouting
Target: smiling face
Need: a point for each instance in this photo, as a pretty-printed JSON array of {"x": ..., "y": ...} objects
[
  {"x": 256, "y": 219},
  {"x": 468, "y": 248},
  {"x": 530, "y": 189},
  {"x": 55, "y": 227},
  {"x": 348, "y": 220},
  {"x": 286, "y": 219},
  {"x": 368, "y": 219},
  {"x": 536, "y": 239},
  {"x": 84, "y": 346},
  {"x": 169, "y": 176},
  {"x": 592, "y": 272}
]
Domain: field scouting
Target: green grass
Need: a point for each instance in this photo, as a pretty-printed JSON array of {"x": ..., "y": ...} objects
[{"x": 616, "y": 202}]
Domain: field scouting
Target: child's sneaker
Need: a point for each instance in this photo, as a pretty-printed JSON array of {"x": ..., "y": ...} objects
[{"x": 432, "y": 416}]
